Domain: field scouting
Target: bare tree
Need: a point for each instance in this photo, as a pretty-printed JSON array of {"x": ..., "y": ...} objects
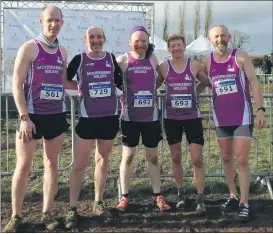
[
  {"x": 196, "y": 19},
  {"x": 208, "y": 18},
  {"x": 182, "y": 14},
  {"x": 238, "y": 39},
  {"x": 189, "y": 38},
  {"x": 166, "y": 21}
]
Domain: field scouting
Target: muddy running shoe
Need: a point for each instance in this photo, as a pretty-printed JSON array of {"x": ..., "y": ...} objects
[
  {"x": 201, "y": 207},
  {"x": 71, "y": 220},
  {"x": 49, "y": 221},
  {"x": 231, "y": 204},
  {"x": 181, "y": 203},
  {"x": 243, "y": 214},
  {"x": 161, "y": 204},
  {"x": 13, "y": 224},
  {"x": 99, "y": 209},
  {"x": 123, "y": 204}
]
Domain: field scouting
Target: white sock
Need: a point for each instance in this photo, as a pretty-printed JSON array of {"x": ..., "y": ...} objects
[
  {"x": 246, "y": 205},
  {"x": 233, "y": 196}
]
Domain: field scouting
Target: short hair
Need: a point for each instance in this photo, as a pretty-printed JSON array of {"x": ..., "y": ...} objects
[
  {"x": 44, "y": 8},
  {"x": 173, "y": 37},
  {"x": 103, "y": 34},
  {"x": 218, "y": 25}
]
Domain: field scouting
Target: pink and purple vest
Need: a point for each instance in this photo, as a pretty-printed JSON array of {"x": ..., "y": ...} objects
[
  {"x": 230, "y": 88},
  {"x": 139, "y": 91},
  {"x": 181, "y": 101},
  {"x": 96, "y": 85},
  {"x": 43, "y": 86}
]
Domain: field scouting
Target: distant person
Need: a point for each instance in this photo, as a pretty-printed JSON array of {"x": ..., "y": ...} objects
[{"x": 267, "y": 65}]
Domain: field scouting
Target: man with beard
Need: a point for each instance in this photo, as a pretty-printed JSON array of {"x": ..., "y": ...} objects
[
  {"x": 98, "y": 75},
  {"x": 139, "y": 114},
  {"x": 38, "y": 91},
  {"x": 231, "y": 72}
]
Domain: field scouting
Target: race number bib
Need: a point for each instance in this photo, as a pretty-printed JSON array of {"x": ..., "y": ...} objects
[
  {"x": 143, "y": 99},
  {"x": 181, "y": 100},
  {"x": 226, "y": 87},
  {"x": 100, "y": 89},
  {"x": 51, "y": 92}
]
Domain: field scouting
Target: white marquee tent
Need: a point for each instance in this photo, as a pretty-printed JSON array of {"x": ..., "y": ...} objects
[{"x": 199, "y": 47}]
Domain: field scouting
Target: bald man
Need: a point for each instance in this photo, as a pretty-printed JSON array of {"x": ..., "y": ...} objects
[
  {"x": 99, "y": 81},
  {"x": 231, "y": 73},
  {"x": 38, "y": 91}
]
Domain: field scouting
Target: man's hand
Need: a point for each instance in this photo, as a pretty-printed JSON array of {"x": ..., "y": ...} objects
[
  {"x": 25, "y": 131},
  {"x": 260, "y": 119}
]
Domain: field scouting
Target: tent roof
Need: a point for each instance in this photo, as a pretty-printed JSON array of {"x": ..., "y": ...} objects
[{"x": 201, "y": 46}]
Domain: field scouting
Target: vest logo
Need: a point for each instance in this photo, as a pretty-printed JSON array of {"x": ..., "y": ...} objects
[
  {"x": 59, "y": 60},
  {"x": 230, "y": 69},
  {"x": 107, "y": 64},
  {"x": 188, "y": 77}
]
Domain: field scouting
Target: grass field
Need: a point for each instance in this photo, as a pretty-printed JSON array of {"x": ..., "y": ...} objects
[{"x": 142, "y": 216}]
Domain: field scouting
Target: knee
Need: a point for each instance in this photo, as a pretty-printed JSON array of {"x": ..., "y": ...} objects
[
  {"x": 176, "y": 158},
  {"x": 227, "y": 157},
  {"x": 242, "y": 161},
  {"x": 23, "y": 170},
  {"x": 102, "y": 161},
  {"x": 49, "y": 165},
  {"x": 197, "y": 162},
  {"x": 152, "y": 158}
]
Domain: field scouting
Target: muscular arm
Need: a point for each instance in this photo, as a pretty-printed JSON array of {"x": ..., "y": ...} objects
[
  {"x": 24, "y": 58},
  {"x": 246, "y": 64},
  {"x": 162, "y": 72},
  {"x": 71, "y": 72},
  {"x": 202, "y": 76}
]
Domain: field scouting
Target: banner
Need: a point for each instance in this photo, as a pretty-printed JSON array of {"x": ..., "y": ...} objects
[{"x": 21, "y": 25}]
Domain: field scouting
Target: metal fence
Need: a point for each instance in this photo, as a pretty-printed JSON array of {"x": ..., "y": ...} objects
[{"x": 261, "y": 154}]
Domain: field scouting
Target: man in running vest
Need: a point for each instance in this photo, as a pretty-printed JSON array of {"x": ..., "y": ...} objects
[
  {"x": 39, "y": 97},
  {"x": 231, "y": 73},
  {"x": 182, "y": 114},
  {"x": 140, "y": 115},
  {"x": 98, "y": 75}
]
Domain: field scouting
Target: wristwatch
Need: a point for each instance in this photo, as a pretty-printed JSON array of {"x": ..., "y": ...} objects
[
  {"x": 261, "y": 108},
  {"x": 24, "y": 117}
]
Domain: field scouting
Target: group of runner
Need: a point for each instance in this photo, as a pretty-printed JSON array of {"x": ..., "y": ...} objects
[{"x": 41, "y": 76}]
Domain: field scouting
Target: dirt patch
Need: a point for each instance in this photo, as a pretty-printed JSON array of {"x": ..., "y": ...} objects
[{"x": 142, "y": 216}]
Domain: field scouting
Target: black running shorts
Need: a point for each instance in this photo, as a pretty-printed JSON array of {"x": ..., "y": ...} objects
[
  {"x": 104, "y": 128},
  {"x": 193, "y": 129},
  {"x": 48, "y": 126}
]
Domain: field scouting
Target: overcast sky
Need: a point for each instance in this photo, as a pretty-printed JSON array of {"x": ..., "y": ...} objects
[{"x": 252, "y": 17}]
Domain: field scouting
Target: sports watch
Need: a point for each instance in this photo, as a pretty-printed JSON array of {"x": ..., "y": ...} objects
[
  {"x": 24, "y": 117},
  {"x": 261, "y": 108}
]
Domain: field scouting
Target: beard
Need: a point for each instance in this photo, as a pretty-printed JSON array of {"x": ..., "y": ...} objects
[{"x": 222, "y": 47}]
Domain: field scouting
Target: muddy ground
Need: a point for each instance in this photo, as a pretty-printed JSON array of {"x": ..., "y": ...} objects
[{"x": 143, "y": 217}]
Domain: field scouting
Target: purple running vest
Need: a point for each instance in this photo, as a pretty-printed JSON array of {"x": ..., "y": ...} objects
[
  {"x": 230, "y": 88},
  {"x": 96, "y": 84},
  {"x": 139, "y": 91},
  {"x": 181, "y": 101},
  {"x": 43, "y": 86}
]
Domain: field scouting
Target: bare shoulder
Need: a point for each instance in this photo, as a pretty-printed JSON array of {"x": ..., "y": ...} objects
[
  {"x": 122, "y": 58},
  {"x": 242, "y": 57},
  {"x": 28, "y": 50},
  {"x": 163, "y": 66},
  {"x": 63, "y": 52}
]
